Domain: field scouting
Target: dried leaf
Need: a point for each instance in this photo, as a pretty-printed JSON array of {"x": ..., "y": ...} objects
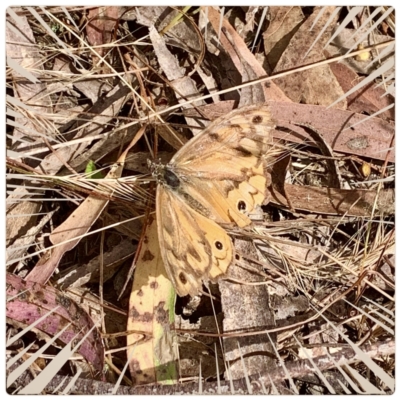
[
  {"x": 245, "y": 308},
  {"x": 21, "y": 244},
  {"x": 151, "y": 310},
  {"x": 367, "y": 100},
  {"x": 284, "y": 22},
  {"x": 310, "y": 86},
  {"x": 102, "y": 22},
  {"x": 321, "y": 200},
  {"x": 244, "y": 60},
  {"x": 373, "y": 137},
  {"x": 30, "y": 301},
  {"x": 185, "y": 87}
]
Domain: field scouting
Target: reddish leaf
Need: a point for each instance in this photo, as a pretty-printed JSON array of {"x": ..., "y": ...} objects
[
  {"x": 30, "y": 301},
  {"x": 369, "y": 99},
  {"x": 100, "y": 28}
]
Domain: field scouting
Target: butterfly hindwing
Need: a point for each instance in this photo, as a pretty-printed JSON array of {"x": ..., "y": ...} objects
[{"x": 194, "y": 248}]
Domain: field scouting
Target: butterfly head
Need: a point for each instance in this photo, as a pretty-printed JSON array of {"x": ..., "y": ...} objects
[{"x": 163, "y": 174}]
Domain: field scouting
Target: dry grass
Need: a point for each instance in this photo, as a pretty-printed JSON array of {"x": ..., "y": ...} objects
[{"x": 117, "y": 86}]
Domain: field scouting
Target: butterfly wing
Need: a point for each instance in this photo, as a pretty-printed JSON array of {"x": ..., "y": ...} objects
[
  {"x": 222, "y": 170},
  {"x": 193, "y": 247}
]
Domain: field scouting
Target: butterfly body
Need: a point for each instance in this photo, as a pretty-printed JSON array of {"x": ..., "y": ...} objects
[{"x": 211, "y": 183}]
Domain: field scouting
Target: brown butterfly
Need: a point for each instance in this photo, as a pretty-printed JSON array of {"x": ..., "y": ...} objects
[{"x": 212, "y": 182}]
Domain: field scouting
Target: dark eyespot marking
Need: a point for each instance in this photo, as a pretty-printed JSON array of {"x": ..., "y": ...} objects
[
  {"x": 171, "y": 179},
  {"x": 241, "y": 205},
  {"x": 219, "y": 245},
  {"x": 213, "y": 136},
  {"x": 257, "y": 119},
  {"x": 237, "y": 257},
  {"x": 182, "y": 278}
]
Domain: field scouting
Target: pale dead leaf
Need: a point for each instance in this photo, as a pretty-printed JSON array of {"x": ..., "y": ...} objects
[
  {"x": 14, "y": 224},
  {"x": 21, "y": 244},
  {"x": 151, "y": 310},
  {"x": 376, "y": 134},
  {"x": 184, "y": 86}
]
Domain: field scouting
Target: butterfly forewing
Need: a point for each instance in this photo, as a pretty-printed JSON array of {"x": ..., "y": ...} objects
[{"x": 222, "y": 168}]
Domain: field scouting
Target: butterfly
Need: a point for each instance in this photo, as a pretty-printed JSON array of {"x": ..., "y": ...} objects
[{"x": 210, "y": 184}]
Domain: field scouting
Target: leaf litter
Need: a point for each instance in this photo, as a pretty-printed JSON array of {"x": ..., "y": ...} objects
[{"x": 323, "y": 236}]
